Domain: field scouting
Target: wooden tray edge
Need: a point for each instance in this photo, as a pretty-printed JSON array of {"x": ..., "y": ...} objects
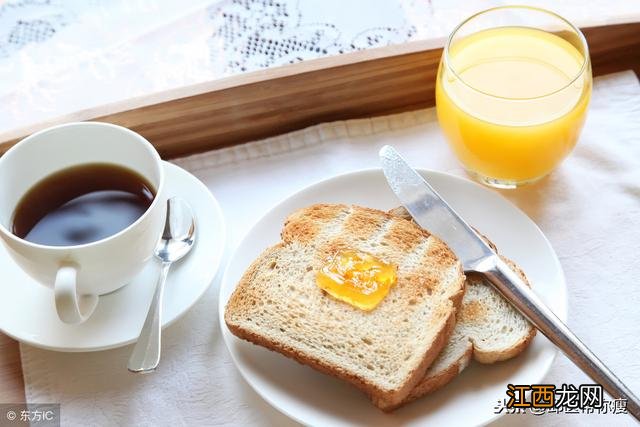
[{"x": 272, "y": 101}]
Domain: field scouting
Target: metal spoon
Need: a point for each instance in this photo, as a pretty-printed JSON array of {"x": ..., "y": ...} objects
[{"x": 177, "y": 240}]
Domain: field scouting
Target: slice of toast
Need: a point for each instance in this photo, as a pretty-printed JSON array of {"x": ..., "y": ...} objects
[
  {"x": 488, "y": 329},
  {"x": 386, "y": 351}
]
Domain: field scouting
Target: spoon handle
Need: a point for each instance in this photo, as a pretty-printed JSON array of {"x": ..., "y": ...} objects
[{"x": 146, "y": 353}]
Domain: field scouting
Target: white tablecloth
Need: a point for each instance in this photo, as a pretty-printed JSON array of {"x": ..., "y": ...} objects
[{"x": 589, "y": 209}]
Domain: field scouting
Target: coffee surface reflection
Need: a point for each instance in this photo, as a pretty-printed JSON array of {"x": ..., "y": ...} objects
[{"x": 82, "y": 204}]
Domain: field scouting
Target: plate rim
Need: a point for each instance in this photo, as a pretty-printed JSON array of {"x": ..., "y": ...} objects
[
  {"x": 562, "y": 313},
  {"x": 166, "y": 323}
]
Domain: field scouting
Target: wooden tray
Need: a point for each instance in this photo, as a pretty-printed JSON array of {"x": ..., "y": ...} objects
[{"x": 273, "y": 101}]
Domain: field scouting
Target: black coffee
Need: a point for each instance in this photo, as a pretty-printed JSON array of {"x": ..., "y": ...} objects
[{"x": 82, "y": 204}]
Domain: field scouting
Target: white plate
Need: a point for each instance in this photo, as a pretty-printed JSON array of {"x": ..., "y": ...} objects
[
  {"x": 316, "y": 399},
  {"x": 27, "y": 311}
]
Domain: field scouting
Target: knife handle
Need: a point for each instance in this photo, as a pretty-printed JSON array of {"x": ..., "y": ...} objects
[{"x": 513, "y": 288}]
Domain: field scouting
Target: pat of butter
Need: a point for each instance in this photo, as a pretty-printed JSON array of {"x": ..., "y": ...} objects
[{"x": 357, "y": 278}]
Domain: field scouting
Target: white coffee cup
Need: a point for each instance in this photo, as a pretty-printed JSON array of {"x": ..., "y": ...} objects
[{"x": 79, "y": 274}]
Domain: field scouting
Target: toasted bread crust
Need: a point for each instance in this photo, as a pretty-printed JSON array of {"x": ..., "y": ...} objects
[
  {"x": 304, "y": 226},
  {"x": 387, "y": 402},
  {"x": 492, "y": 356},
  {"x": 440, "y": 379},
  {"x": 302, "y": 358}
]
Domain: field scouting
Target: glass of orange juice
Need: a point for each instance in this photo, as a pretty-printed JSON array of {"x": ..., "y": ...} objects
[{"x": 512, "y": 93}]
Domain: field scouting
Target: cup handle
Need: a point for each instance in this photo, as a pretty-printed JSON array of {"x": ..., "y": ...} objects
[{"x": 72, "y": 308}]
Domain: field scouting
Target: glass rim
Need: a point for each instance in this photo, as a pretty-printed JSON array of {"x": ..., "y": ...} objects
[{"x": 585, "y": 62}]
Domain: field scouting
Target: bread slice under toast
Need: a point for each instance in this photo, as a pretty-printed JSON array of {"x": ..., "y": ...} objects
[
  {"x": 488, "y": 329},
  {"x": 386, "y": 351}
]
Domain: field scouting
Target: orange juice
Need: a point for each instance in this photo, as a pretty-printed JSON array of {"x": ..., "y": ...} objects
[{"x": 512, "y": 101}]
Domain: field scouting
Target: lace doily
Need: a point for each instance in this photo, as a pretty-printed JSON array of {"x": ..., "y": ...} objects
[
  {"x": 32, "y": 21},
  {"x": 262, "y": 33},
  {"x": 52, "y": 50},
  {"x": 246, "y": 34}
]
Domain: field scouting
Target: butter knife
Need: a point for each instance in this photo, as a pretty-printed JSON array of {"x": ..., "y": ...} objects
[{"x": 430, "y": 211}]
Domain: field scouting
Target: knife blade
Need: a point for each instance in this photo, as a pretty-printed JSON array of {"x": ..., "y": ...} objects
[{"x": 432, "y": 213}]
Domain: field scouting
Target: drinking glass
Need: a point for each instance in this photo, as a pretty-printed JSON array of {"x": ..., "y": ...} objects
[{"x": 512, "y": 93}]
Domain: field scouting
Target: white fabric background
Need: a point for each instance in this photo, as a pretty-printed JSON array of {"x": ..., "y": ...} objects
[
  {"x": 52, "y": 51},
  {"x": 589, "y": 209}
]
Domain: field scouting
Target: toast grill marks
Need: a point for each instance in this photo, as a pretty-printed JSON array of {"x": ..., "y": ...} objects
[
  {"x": 384, "y": 352},
  {"x": 383, "y": 239},
  {"x": 389, "y": 233},
  {"x": 365, "y": 229},
  {"x": 315, "y": 224}
]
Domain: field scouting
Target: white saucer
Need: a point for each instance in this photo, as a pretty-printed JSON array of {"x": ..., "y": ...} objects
[
  {"x": 27, "y": 311},
  {"x": 312, "y": 398}
]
